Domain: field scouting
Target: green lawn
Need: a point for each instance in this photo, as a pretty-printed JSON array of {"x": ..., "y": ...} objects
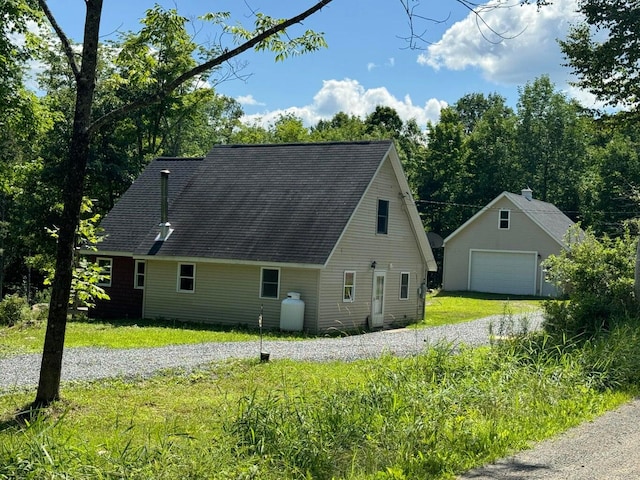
[
  {"x": 127, "y": 334},
  {"x": 455, "y": 307},
  {"x": 441, "y": 308}
]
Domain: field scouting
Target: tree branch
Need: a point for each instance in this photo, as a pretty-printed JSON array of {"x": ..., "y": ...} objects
[
  {"x": 206, "y": 66},
  {"x": 478, "y": 9},
  {"x": 66, "y": 45}
]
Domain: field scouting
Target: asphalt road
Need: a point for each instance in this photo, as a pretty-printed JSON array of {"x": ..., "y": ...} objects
[{"x": 606, "y": 448}]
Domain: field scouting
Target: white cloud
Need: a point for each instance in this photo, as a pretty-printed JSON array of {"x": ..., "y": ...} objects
[
  {"x": 526, "y": 46},
  {"x": 390, "y": 63},
  {"x": 248, "y": 100},
  {"x": 352, "y": 98}
]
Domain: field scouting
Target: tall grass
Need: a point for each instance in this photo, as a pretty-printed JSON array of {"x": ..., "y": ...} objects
[
  {"x": 430, "y": 416},
  {"x": 427, "y": 417}
]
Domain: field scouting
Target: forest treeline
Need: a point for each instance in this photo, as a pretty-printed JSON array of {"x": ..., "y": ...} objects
[{"x": 583, "y": 161}]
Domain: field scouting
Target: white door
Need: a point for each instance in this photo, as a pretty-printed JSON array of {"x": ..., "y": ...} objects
[
  {"x": 377, "y": 311},
  {"x": 507, "y": 272}
]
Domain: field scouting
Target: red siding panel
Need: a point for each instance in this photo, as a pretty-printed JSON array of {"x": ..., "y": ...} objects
[{"x": 126, "y": 301}]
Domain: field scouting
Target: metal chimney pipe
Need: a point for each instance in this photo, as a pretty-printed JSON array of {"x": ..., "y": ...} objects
[
  {"x": 164, "y": 196},
  {"x": 165, "y": 226}
]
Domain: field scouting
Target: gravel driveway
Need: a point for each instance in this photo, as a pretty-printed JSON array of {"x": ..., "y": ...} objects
[{"x": 89, "y": 363}]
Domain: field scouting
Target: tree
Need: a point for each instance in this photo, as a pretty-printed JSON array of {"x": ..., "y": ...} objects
[
  {"x": 551, "y": 143},
  {"x": 442, "y": 174},
  {"x": 491, "y": 162},
  {"x": 87, "y": 275},
  {"x": 339, "y": 128},
  {"x": 268, "y": 34},
  {"x": 604, "y": 51}
]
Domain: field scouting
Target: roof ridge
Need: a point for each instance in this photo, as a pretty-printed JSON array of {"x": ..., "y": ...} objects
[
  {"x": 297, "y": 144},
  {"x": 178, "y": 159}
]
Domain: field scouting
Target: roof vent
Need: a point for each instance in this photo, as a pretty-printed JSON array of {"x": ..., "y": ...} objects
[
  {"x": 165, "y": 226},
  {"x": 527, "y": 193}
]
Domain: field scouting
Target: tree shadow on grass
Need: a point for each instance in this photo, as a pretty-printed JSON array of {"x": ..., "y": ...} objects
[
  {"x": 485, "y": 296},
  {"x": 23, "y": 417},
  {"x": 183, "y": 325}
]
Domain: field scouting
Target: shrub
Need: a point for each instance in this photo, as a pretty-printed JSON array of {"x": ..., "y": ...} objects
[
  {"x": 14, "y": 309},
  {"x": 597, "y": 277}
]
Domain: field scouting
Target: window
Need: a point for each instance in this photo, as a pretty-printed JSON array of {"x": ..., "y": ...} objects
[
  {"x": 186, "y": 277},
  {"x": 106, "y": 264},
  {"x": 349, "y": 286},
  {"x": 383, "y": 216},
  {"x": 404, "y": 286},
  {"x": 504, "y": 217},
  {"x": 138, "y": 276},
  {"x": 270, "y": 283}
]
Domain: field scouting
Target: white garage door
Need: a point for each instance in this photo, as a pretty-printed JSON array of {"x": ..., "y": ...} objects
[{"x": 503, "y": 272}]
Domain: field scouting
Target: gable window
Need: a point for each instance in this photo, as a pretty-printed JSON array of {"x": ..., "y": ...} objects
[
  {"x": 349, "y": 286},
  {"x": 404, "y": 286},
  {"x": 504, "y": 219},
  {"x": 139, "y": 273},
  {"x": 383, "y": 216},
  {"x": 106, "y": 264},
  {"x": 186, "y": 277},
  {"x": 270, "y": 283}
]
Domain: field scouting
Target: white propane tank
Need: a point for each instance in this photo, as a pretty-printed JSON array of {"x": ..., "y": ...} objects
[{"x": 292, "y": 313}]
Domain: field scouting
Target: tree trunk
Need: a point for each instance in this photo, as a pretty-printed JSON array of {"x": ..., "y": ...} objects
[
  {"x": 636, "y": 279},
  {"x": 51, "y": 367}
]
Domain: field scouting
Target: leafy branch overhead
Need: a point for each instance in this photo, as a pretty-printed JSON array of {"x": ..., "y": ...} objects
[
  {"x": 604, "y": 51},
  {"x": 268, "y": 34}
]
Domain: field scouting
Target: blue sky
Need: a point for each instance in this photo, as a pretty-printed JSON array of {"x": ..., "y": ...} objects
[{"x": 367, "y": 63}]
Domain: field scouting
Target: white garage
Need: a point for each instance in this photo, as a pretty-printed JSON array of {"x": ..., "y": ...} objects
[
  {"x": 501, "y": 247},
  {"x": 509, "y": 272}
]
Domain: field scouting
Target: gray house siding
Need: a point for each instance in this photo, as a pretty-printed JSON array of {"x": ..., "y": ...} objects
[
  {"x": 394, "y": 253},
  {"x": 226, "y": 294},
  {"x": 523, "y": 236}
]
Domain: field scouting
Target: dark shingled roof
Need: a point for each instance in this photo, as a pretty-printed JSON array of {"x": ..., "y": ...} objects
[
  {"x": 138, "y": 210},
  {"x": 285, "y": 203},
  {"x": 546, "y": 215}
]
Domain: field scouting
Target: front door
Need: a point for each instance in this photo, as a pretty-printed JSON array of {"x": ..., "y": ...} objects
[{"x": 377, "y": 311}]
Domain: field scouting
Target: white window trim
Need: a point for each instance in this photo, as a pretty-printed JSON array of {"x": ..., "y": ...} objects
[
  {"x": 353, "y": 287},
  {"x": 262, "y": 269},
  {"x": 178, "y": 289},
  {"x": 135, "y": 274},
  {"x": 500, "y": 219},
  {"x": 109, "y": 260},
  {"x": 400, "y": 297}
]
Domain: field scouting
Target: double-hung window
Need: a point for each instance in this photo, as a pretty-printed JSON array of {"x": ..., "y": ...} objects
[
  {"x": 349, "y": 286},
  {"x": 404, "y": 286},
  {"x": 383, "y": 217},
  {"x": 504, "y": 219},
  {"x": 106, "y": 264},
  {"x": 139, "y": 274},
  {"x": 270, "y": 283},
  {"x": 186, "y": 277}
]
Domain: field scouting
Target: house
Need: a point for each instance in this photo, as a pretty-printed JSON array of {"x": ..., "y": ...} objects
[
  {"x": 500, "y": 248},
  {"x": 221, "y": 239}
]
